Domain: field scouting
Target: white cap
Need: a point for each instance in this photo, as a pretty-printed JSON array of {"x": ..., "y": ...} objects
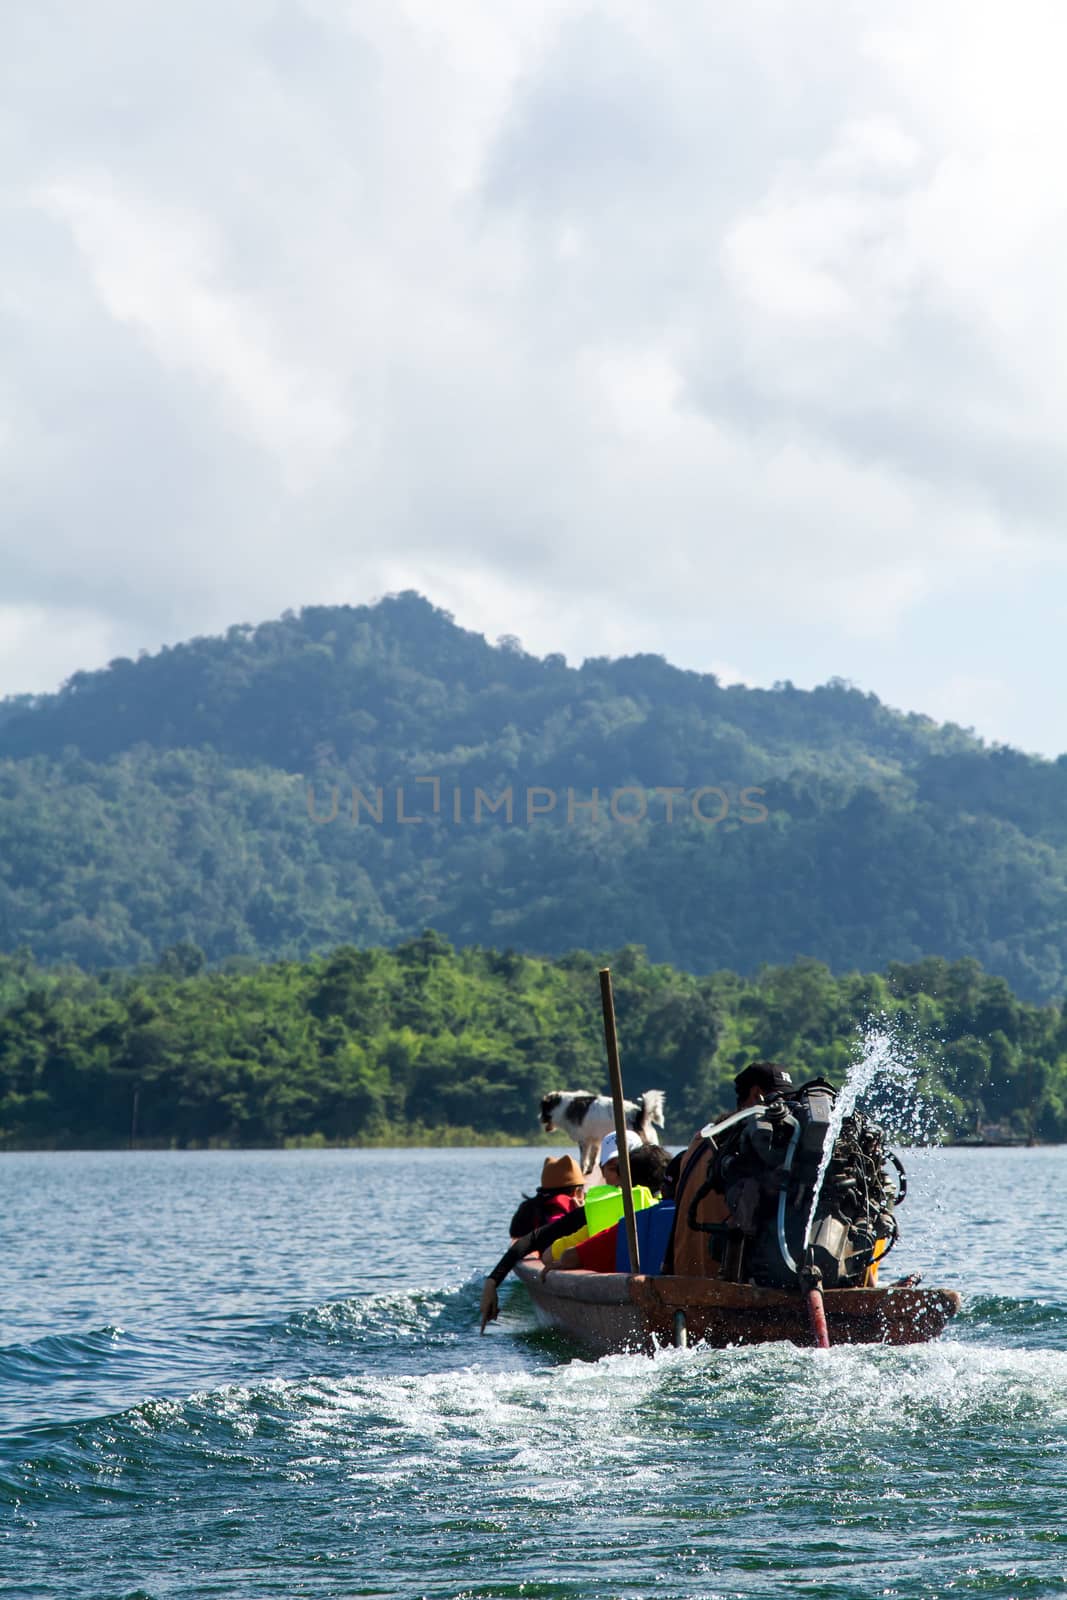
[{"x": 609, "y": 1150}]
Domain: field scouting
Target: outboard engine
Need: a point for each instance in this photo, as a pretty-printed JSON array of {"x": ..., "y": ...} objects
[{"x": 768, "y": 1165}]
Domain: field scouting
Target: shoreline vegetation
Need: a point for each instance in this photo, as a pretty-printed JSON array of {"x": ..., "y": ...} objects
[
  {"x": 450, "y": 1139},
  {"x": 427, "y": 1045},
  {"x": 424, "y": 1139}
]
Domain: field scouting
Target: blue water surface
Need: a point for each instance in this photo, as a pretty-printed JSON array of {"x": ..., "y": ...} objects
[{"x": 259, "y": 1374}]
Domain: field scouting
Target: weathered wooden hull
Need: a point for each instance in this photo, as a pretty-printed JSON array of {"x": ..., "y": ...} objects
[{"x": 611, "y": 1311}]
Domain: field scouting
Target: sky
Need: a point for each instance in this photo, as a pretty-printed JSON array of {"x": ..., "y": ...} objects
[{"x": 735, "y": 333}]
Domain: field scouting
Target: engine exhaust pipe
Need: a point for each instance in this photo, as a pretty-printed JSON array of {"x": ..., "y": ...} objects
[{"x": 811, "y": 1288}]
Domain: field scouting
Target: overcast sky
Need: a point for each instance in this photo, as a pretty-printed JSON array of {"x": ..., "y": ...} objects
[{"x": 733, "y": 332}]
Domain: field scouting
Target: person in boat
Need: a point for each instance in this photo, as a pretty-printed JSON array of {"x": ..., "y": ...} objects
[
  {"x": 610, "y": 1189},
  {"x": 561, "y": 1190},
  {"x": 609, "y": 1156},
  {"x": 608, "y": 1251},
  {"x": 534, "y": 1242},
  {"x": 687, "y": 1252}
]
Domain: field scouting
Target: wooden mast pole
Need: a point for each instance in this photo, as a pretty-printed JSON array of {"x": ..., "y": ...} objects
[{"x": 607, "y": 1000}]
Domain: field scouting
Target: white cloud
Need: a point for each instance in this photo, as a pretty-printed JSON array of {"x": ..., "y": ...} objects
[
  {"x": 972, "y": 700},
  {"x": 614, "y": 328},
  {"x": 42, "y": 643},
  {"x": 158, "y": 270},
  {"x": 728, "y": 674}
]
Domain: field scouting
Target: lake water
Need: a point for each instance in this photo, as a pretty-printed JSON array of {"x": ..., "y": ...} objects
[{"x": 260, "y": 1374}]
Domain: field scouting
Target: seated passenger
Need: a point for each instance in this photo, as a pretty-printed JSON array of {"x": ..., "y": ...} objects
[
  {"x": 562, "y": 1189},
  {"x": 529, "y": 1244},
  {"x": 532, "y": 1243},
  {"x": 609, "y": 1156},
  {"x": 702, "y": 1199},
  {"x": 603, "y": 1202},
  {"x": 608, "y": 1251}
]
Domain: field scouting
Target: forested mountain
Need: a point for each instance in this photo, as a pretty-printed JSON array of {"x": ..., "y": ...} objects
[
  {"x": 208, "y": 793},
  {"x": 427, "y": 1042}
]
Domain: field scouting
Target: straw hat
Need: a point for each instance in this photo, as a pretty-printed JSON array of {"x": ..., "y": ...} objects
[{"x": 561, "y": 1172}]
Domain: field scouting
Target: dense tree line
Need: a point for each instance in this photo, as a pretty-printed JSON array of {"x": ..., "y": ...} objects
[
  {"x": 189, "y": 795},
  {"x": 426, "y": 1041}
]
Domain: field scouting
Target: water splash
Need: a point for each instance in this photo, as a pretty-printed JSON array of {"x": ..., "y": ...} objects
[{"x": 886, "y": 1068}]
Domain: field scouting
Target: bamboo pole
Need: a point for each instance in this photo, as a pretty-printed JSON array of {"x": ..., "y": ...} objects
[{"x": 607, "y": 1000}]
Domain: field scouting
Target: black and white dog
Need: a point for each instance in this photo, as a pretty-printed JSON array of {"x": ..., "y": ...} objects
[{"x": 589, "y": 1118}]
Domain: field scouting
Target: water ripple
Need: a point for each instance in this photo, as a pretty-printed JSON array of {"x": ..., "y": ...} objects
[{"x": 208, "y": 1435}]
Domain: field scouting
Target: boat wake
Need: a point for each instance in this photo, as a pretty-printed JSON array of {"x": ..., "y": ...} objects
[
  {"x": 369, "y": 1422},
  {"x": 434, "y": 1316},
  {"x": 401, "y": 1430},
  {"x": 42, "y": 1360},
  {"x": 1013, "y": 1322}
]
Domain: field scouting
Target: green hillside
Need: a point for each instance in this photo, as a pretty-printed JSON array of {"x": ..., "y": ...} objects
[
  {"x": 174, "y": 798},
  {"x": 424, "y": 1041}
]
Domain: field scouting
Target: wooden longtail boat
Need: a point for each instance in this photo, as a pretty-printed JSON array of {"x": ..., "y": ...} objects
[
  {"x": 616, "y": 1311},
  {"x": 609, "y": 1311}
]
